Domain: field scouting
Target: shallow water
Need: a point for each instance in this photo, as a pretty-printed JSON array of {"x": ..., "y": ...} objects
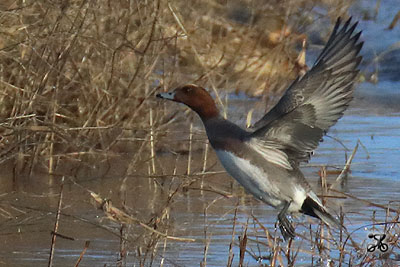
[
  {"x": 374, "y": 177},
  {"x": 27, "y": 214}
]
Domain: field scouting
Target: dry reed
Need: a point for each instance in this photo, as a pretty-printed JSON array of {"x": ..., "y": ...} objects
[{"x": 77, "y": 85}]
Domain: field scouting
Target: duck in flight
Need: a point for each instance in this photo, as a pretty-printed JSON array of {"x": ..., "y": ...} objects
[{"x": 265, "y": 161}]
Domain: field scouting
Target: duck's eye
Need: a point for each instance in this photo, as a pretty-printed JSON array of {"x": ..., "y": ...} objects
[{"x": 188, "y": 89}]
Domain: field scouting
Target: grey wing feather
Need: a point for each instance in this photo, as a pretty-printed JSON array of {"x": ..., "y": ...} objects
[{"x": 314, "y": 102}]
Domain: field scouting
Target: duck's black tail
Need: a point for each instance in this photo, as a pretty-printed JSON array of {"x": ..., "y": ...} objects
[{"x": 314, "y": 209}]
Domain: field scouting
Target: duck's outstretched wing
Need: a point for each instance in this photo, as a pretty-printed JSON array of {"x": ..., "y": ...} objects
[{"x": 314, "y": 102}]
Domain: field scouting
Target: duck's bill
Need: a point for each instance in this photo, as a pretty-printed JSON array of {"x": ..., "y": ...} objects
[{"x": 169, "y": 95}]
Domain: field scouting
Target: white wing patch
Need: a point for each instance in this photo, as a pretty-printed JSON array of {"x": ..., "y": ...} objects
[{"x": 270, "y": 152}]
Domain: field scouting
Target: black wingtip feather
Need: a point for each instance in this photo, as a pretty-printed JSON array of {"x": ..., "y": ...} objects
[
  {"x": 338, "y": 39},
  {"x": 337, "y": 24},
  {"x": 359, "y": 47},
  {"x": 348, "y": 21},
  {"x": 351, "y": 30},
  {"x": 345, "y": 26}
]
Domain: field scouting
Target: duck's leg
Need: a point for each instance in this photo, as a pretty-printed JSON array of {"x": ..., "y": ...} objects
[{"x": 285, "y": 226}]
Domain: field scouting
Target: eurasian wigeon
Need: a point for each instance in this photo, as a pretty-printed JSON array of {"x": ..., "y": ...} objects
[{"x": 266, "y": 161}]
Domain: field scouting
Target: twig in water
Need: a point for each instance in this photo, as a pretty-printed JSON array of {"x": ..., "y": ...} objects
[
  {"x": 152, "y": 151},
  {"x": 324, "y": 186},
  {"x": 242, "y": 245},
  {"x": 62, "y": 236},
  {"x": 53, "y": 238},
  {"x": 122, "y": 245},
  {"x": 341, "y": 256},
  {"x": 231, "y": 255},
  {"x": 118, "y": 215},
  {"x": 289, "y": 246},
  {"x": 204, "y": 164},
  {"x": 207, "y": 240},
  {"x": 342, "y": 176},
  {"x": 213, "y": 190},
  {"x": 165, "y": 244},
  {"x": 87, "y": 243},
  {"x": 272, "y": 243},
  {"x": 394, "y": 21},
  {"x": 190, "y": 148},
  {"x": 363, "y": 200}
]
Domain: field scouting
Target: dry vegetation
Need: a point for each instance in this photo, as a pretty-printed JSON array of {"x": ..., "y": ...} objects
[
  {"x": 76, "y": 76},
  {"x": 77, "y": 85}
]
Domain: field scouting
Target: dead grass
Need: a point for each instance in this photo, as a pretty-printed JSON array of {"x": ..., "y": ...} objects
[
  {"x": 78, "y": 76},
  {"x": 77, "y": 84}
]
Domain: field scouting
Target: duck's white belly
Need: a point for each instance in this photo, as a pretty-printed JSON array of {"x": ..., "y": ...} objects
[
  {"x": 256, "y": 181},
  {"x": 252, "y": 178}
]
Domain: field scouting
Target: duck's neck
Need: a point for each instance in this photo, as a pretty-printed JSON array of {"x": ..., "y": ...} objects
[{"x": 207, "y": 112}]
